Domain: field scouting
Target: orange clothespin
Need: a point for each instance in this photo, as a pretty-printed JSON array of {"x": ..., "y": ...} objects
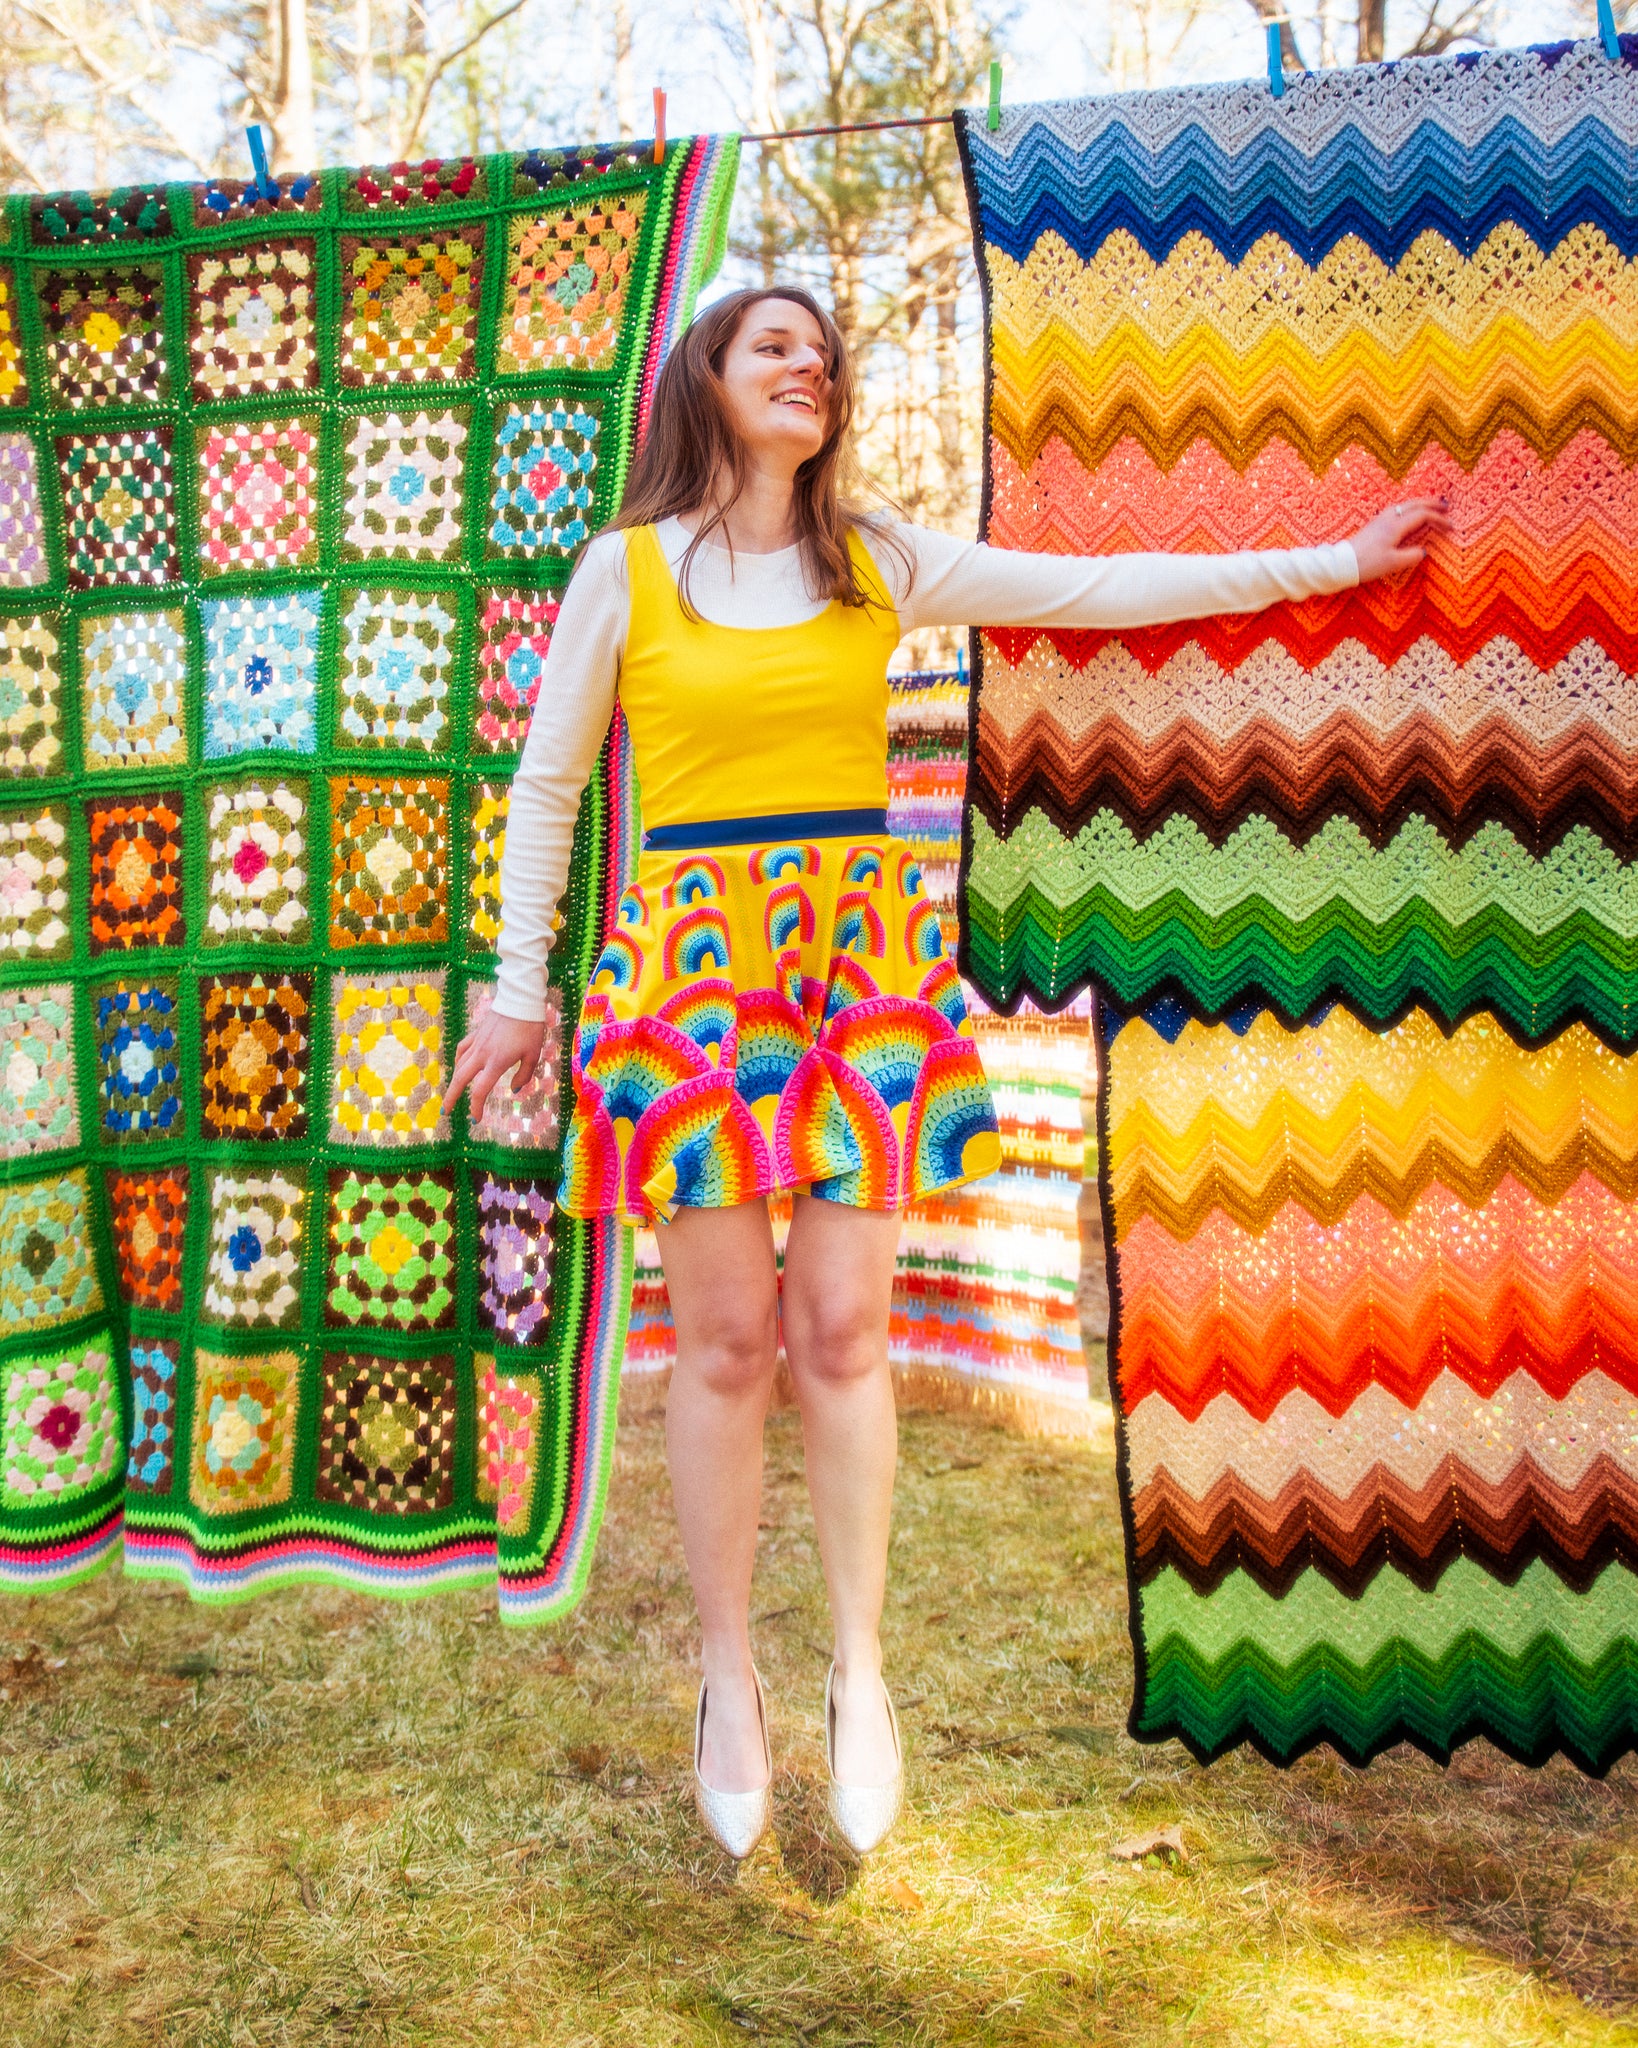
[{"x": 659, "y": 124}]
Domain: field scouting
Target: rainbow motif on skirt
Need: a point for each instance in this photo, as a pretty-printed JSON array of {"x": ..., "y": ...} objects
[{"x": 774, "y": 1019}]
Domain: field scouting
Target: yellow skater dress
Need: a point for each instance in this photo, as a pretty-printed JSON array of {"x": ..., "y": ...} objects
[{"x": 775, "y": 1010}]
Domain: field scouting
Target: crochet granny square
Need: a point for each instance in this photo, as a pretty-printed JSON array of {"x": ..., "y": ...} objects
[
  {"x": 104, "y": 331},
  {"x": 244, "y": 1430},
  {"x": 133, "y": 689},
  {"x": 150, "y": 1216},
  {"x": 257, "y": 862},
  {"x": 34, "y": 883},
  {"x": 139, "y": 1090},
  {"x": 258, "y": 505},
  {"x": 119, "y": 506},
  {"x": 514, "y": 633},
  {"x": 411, "y": 306},
  {"x": 515, "y": 1222},
  {"x": 404, "y": 476},
  {"x": 135, "y": 865},
  {"x": 393, "y": 682},
  {"x": 253, "y": 1259},
  {"x": 22, "y": 531},
  {"x": 388, "y": 1432},
  {"x": 254, "y": 1055},
  {"x": 391, "y": 1249},
  {"x": 38, "y": 1109},
  {"x": 252, "y": 329},
  {"x": 544, "y": 477},
  {"x": 261, "y": 673},
  {"x": 30, "y": 708},
  {"x": 47, "y": 1253},
  {"x": 387, "y": 1073},
  {"x": 151, "y": 1460},
  {"x": 389, "y": 860},
  {"x": 566, "y": 285},
  {"x": 60, "y": 1418},
  {"x": 490, "y": 803}
]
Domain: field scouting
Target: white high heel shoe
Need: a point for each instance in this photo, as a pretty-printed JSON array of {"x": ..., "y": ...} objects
[
  {"x": 862, "y": 1813},
  {"x": 735, "y": 1821}
]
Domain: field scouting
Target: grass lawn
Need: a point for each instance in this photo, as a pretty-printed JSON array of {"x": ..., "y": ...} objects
[{"x": 316, "y": 1818}]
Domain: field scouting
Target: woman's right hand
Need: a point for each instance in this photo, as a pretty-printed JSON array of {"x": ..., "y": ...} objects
[{"x": 488, "y": 1053}]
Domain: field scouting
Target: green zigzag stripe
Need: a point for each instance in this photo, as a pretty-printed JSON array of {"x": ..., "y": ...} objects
[
  {"x": 1540, "y": 1666},
  {"x": 1488, "y": 924}
]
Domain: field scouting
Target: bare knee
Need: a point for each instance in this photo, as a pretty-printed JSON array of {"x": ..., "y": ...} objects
[
  {"x": 730, "y": 1351},
  {"x": 835, "y": 1337}
]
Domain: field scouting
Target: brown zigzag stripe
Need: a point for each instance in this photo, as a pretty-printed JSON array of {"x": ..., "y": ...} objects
[
  {"x": 1384, "y": 1521},
  {"x": 1328, "y": 1190},
  {"x": 1460, "y": 781},
  {"x": 1057, "y": 404}
]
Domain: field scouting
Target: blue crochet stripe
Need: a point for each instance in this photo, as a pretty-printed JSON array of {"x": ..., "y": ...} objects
[
  {"x": 1349, "y": 187},
  {"x": 765, "y": 831}
]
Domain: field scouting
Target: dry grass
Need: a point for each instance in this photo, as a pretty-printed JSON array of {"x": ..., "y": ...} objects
[{"x": 314, "y": 1818}]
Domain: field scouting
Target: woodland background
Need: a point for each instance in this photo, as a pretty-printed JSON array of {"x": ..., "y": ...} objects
[{"x": 93, "y": 94}]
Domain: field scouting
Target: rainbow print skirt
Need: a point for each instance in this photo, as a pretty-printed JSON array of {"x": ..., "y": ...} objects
[{"x": 771, "y": 1019}]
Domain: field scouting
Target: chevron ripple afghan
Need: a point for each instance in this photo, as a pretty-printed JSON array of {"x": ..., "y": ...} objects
[
  {"x": 1354, "y": 880},
  {"x": 291, "y": 478}
]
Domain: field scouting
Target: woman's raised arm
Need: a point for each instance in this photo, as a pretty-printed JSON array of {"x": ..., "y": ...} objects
[{"x": 960, "y": 583}]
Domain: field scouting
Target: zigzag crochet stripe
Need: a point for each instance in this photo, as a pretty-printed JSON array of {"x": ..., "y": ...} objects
[
  {"x": 1160, "y": 167},
  {"x": 1353, "y": 879}
]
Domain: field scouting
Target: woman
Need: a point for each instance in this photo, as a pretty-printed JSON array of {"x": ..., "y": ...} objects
[{"x": 774, "y": 1010}]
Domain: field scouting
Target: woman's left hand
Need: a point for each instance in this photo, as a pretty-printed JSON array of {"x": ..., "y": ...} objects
[{"x": 1382, "y": 545}]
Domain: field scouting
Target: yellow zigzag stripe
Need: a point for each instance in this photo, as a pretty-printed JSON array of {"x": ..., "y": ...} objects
[
  {"x": 1323, "y": 1114},
  {"x": 1362, "y": 374},
  {"x": 1273, "y": 293}
]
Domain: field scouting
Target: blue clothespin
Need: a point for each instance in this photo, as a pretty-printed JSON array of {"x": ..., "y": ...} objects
[
  {"x": 265, "y": 187},
  {"x": 992, "y": 119},
  {"x": 1276, "y": 63},
  {"x": 961, "y": 664},
  {"x": 1606, "y": 30}
]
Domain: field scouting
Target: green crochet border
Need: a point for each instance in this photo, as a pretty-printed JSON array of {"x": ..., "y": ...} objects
[{"x": 580, "y": 1270}]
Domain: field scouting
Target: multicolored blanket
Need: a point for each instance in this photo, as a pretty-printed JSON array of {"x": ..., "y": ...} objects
[
  {"x": 291, "y": 478},
  {"x": 1353, "y": 879}
]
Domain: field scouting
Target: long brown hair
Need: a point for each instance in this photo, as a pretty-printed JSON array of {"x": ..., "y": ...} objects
[{"x": 691, "y": 446}]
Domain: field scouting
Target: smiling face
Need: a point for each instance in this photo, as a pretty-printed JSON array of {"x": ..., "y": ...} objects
[{"x": 775, "y": 384}]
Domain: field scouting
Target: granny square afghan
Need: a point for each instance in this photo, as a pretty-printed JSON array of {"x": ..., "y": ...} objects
[
  {"x": 291, "y": 483},
  {"x": 1353, "y": 880}
]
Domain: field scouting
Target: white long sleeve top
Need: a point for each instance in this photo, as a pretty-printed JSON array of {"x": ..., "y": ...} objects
[{"x": 952, "y": 583}]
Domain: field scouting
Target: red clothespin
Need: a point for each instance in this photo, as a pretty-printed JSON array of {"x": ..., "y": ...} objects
[{"x": 659, "y": 124}]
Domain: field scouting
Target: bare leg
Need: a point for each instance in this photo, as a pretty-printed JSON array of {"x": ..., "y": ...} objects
[
  {"x": 723, "y": 1281},
  {"x": 838, "y": 1292}
]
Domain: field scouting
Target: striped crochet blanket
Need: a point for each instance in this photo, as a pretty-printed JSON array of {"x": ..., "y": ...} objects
[
  {"x": 291, "y": 478},
  {"x": 1353, "y": 879}
]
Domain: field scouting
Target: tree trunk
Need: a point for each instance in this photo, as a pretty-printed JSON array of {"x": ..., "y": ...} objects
[
  {"x": 625, "y": 81},
  {"x": 952, "y": 441},
  {"x": 363, "y": 82},
  {"x": 1373, "y": 30},
  {"x": 295, "y": 145}
]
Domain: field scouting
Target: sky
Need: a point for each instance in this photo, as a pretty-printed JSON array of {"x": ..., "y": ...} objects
[{"x": 1052, "y": 52}]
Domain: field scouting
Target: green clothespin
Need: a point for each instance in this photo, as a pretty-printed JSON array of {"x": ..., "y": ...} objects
[
  {"x": 1606, "y": 30},
  {"x": 992, "y": 120}
]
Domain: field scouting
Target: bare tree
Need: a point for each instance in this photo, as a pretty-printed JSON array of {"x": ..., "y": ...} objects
[
  {"x": 90, "y": 93},
  {"x": 1436, "y": 26},
  {"x": 1142, "y": 43}
]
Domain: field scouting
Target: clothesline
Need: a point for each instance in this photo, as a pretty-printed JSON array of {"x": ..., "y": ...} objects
[{"x": 849, "y": 128}]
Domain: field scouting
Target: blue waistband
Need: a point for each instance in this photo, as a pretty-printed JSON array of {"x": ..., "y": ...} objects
[{"x": 767, "y": 831}]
